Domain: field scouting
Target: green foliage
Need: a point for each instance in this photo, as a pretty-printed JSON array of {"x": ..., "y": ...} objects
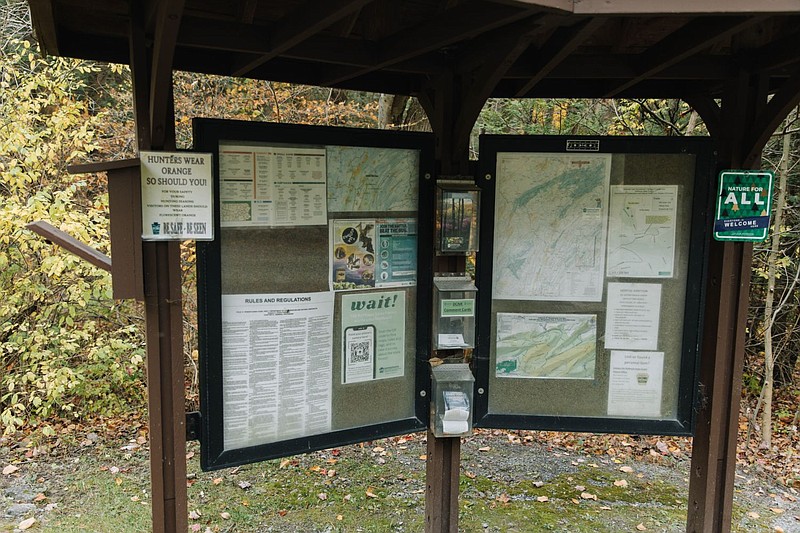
[
  {"x": 564, "y": 116},
  {"x": 64, "y": 345}
]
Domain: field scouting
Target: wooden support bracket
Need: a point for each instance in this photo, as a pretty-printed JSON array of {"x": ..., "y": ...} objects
[{"x": 71, "y": 244}]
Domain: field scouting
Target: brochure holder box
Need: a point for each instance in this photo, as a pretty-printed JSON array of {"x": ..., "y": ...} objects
[{"x": 451, "y": 405}]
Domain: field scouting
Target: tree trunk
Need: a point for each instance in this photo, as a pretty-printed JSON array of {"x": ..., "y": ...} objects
[{"x": 769, "y": 319}]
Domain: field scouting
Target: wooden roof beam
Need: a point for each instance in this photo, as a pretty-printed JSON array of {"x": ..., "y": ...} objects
[
  {"x": 780, "y": 105},
  {"x": 562, "y": 6},
  {"x": 298, "y": 25},
  {"x": 500, "y": 50},
  {"x": 45, "y": 25},
  {"x": 166, "y": 35},
  {"x": 211, "y": 35},
  {"x": 695, "y": 7},
  {"x": 689, "y": 40},
  {"x": 450, "y": 27},
  {"x": 660, "y": 7},
  {"x": 777, "y": 54},
  {"x": 246, "y": 11},
  {"x": 560, "y": 45},
  {"x": 590, "y": 66}
]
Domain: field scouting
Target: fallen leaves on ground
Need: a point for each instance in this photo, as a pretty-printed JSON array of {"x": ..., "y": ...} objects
[{"x": 26, "y": 524}]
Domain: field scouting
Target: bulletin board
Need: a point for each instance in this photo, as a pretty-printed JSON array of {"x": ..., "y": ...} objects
[
  {"x": 591, "y": 282},
  {"x": 313, "y": 316}
]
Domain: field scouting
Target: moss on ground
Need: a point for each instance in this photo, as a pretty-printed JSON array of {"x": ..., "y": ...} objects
[{"x": 367, "y": 489}]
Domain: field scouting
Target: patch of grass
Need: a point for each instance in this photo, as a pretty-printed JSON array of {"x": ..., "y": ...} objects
[
  {"x": 91, "y": 496},
  {"x": 354, "y": 489},
  {"x": 517, "y": 506}
]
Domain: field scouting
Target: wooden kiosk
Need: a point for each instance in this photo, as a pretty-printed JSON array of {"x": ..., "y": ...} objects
[{"x": 736, "y": 63}]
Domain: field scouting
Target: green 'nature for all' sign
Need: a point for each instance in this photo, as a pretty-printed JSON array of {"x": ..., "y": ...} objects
[{"x": 743, "y": 205}]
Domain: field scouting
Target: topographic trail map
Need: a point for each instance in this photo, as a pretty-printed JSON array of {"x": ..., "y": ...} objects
[
  {"x": 546, "y": 346},
  {"x": 372, "y": 179},
  {"x": 641, "y": 231},
  {"x": 550, "y": 226}
]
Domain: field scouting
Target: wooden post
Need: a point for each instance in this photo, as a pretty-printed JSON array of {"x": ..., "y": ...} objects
[
  {"x": 151, "y": 69},
  {"x": 442, "y": 469},
  {"x": 722, "y": 355},
  {"x": 453, "y": 104}
]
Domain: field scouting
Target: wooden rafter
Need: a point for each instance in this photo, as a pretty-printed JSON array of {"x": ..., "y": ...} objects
[
  {"x": 709, "y": 111},
  {"x": 45, "y": 26},
  {"x": 557, "y": 48},
  {"x": 605, "y": 66},
  {"x": 777, "y": 54},
  {"x": 297, "y": 26},
  {"x": 449, "y": 28},
  {"x": 211, "y": 35},
  {"x": 563, "y": 6},
  {"x": 671, "y": 7},
  {"x": 768, "y": 120},
  {"x": 691, "y": 39},
  {"x": 500, "y": 50},
  {"x": 164, "y": 40},
  {"x": 247, "y": 11}
]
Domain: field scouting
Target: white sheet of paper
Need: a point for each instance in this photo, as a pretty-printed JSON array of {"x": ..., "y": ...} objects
[
  {"x": 635, "y": 383},
  {"x": 641, "y": 231},
  {"x": 633, "y": 311},
  {"x": 277, "y": 365},
  {"x": 272, "y": 186},
  {"x": 550, "y": 236},
  {"x": 451, "y": 340}
]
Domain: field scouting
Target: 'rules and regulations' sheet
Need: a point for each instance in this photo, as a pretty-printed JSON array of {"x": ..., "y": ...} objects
[{"x": 277, "y": 365}]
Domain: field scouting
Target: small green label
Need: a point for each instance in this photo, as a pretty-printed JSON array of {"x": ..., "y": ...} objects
[{"x": 465, "y": 307}]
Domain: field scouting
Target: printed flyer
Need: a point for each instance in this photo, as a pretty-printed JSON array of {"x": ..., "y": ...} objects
[
  {"x": 373, "y": 333},
  {"x": 373, "y": 253},
  {"x": 277, "y": 365}
]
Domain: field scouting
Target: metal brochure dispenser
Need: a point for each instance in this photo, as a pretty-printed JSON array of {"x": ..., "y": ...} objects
[
  {"x": 451, "y": 408},
  {"x": 457, "y": 208},
  {"x": 454, "y": 312}
]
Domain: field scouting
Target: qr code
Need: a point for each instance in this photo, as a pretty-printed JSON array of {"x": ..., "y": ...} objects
[{"x": 359, "y": 352}]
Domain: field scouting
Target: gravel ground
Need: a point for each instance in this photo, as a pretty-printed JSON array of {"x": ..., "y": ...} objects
[{"x": 761, "y": 504}]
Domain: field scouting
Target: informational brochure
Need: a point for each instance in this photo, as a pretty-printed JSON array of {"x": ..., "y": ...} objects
[
  {"x": 177, "y": 192},
  {"x": 373, "y": 336},
  {"x": 277, "y": 359},
  {"x": 550, "y": 231},
  {"x": 373, "y": 253},
  {"x": 641, "y": 231},
  {"x": 633, "y": 311},
  {"x": 635, "y": 383},
  {"x": 268, "y": 186},
  {"x": 555, "y": 346}
]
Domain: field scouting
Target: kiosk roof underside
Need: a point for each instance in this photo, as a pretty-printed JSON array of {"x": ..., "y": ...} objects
[{"x": 571, "y": 48}]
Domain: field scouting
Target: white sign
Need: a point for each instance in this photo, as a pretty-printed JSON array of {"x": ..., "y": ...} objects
[
  {"x": 277, "y": 365},
  {"x": 635, "y": 383},
  {"x": 177, "y": 196},
  {"x": 268, "y": 186},
  {"x": 632, "y": 316}
]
